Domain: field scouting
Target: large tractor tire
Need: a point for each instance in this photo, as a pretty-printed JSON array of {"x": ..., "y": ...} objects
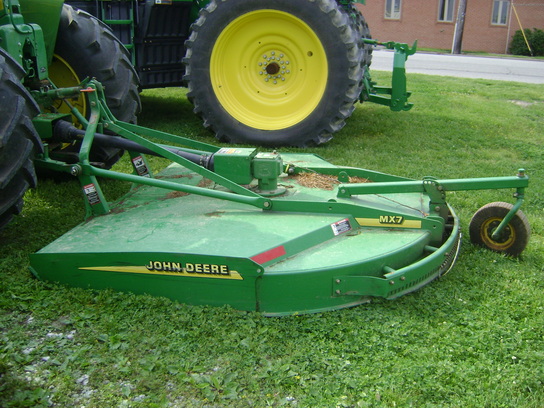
[
  {"x": 19, "y": 141},
  {"x": 274, "y": 72},
  {"x": 86, "y": 47},
  {"x": 363, "y": 31}
]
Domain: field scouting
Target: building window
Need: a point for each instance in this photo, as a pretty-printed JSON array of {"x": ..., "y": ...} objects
[
  {"x": 500, "y": 12},
  {"x": 392, "y": 9},
  {"x": 445, "y": 10}
]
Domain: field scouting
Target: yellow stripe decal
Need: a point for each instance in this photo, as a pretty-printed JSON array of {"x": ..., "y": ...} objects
[
  {"x": 219, "y": 274},
  {"x": 376, "y": 222}
]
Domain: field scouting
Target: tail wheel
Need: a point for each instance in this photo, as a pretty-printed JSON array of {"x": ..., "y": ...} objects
[
  {"x": 86, "y": 47},
  {"x": 19, "y": 141},
  {"x": 276, "y": 72},
  {"x": 512, "y": 240}
]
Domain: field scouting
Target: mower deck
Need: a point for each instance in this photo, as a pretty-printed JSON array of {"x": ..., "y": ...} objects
[{"x": 201, "y": 250}]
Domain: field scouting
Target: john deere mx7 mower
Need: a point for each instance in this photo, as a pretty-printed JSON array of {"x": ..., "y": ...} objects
[{"x": 256, "y": 230}]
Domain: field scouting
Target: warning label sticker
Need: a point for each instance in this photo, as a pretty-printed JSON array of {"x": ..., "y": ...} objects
[
  {"x": 140, "y": 167},
  {"x": 91, "y": 194},
  {"x": 341, "y": 226},
  {"x": 228, "y": 150}
]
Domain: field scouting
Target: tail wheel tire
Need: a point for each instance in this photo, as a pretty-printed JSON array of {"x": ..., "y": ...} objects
[
  {"x": 274, "y": 72},
  {"x": 514, "y": 237},
  {"x": 19, "y": 141},
  {"x": 86, "y": 47}
]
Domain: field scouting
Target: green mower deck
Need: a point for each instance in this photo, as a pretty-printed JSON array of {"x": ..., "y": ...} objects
[
  {"x": 258, "y": 231},
  {"x": 199, "y": 250}
]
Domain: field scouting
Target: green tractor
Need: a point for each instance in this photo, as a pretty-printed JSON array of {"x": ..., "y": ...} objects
[
  {"x": 59, "y": 47},
  {"x": 263, "y": 72}
]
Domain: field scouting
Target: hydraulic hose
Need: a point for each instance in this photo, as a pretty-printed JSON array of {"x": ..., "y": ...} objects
[{"x": 66, "y": 132}]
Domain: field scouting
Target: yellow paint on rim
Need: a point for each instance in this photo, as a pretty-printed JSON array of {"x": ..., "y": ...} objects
[
  {"x": 63, "y": 76},
  {"x": 268, "y": 69},
  {"x": 488, "y": 226}
]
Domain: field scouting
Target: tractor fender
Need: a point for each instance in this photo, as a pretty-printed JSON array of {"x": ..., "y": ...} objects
[{"x": 46, "y": 14}]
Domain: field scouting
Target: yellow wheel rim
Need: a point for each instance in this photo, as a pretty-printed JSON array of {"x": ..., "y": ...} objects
[
  {"x": 504, "y": 242},
  {"x": 63, "y": 76},
  {"x": 268, "y": 69}
]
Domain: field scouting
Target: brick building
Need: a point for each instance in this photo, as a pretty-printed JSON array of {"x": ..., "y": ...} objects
[{"x": 489, "y": 24}]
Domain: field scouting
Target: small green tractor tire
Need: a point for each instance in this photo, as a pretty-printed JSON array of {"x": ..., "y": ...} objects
[
  {"x": 514, "y": 237},
  {"x": 19, "y": 141},
  {"x": 88, "y": 48},
  {"x": 274, "y": 72}
]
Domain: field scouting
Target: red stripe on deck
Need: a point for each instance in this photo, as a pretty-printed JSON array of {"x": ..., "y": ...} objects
[{"x": 269, "y": 255}]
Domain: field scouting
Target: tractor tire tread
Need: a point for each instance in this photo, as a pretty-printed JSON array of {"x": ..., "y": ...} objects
[
  {"x": 313, "y": 133},
  {"x": 90, "y": 46},
  {"x": 19, "y": 141}
]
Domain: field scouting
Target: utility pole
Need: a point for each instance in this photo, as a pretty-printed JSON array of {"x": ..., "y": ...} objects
[{"x": 459, "y": 27}]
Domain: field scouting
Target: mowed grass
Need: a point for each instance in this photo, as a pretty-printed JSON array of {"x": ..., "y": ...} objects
[{"x": 475, "y": 338}]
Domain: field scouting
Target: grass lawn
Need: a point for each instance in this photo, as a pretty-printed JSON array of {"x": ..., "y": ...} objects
[{"x": 472, "y": 339}]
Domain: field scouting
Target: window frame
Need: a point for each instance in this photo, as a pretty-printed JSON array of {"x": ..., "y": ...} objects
[
  {"x": 391, "y": 10},
  {"x": 503, "y": 8},
  {"x": 445, "y": 6}
]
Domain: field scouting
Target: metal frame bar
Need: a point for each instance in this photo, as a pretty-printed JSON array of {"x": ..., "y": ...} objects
[{"x": 101, "y": 118}]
